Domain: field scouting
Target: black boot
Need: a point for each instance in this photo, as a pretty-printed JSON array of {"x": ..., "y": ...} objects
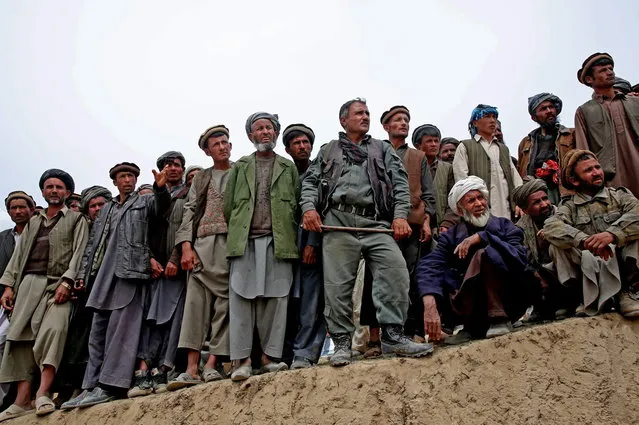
[
  {"x": 394, "y": 341},
  {"x": 342, "y": 355}
]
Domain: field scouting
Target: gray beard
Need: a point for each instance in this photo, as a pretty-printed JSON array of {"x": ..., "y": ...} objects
[
  {"x": 264, "y": 147},
  {"x": 480, "y": 221}
]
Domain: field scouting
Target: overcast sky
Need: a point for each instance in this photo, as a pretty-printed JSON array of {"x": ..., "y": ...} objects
[{"x": 87, "y": 84}]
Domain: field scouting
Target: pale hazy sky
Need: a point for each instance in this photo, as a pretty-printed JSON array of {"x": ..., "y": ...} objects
[{"x": 87, "y": 84}]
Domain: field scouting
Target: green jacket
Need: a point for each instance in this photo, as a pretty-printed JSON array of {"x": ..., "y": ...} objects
[{"x": 239, "y": 203}]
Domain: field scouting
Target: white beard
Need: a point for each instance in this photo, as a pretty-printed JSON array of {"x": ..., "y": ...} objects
[
  {"x": 480, "y": 221},
  {"x": 264, "y": 147}
]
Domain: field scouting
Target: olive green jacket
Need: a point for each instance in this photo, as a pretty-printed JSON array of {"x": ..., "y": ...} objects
[{"x": 239, "y": 203}]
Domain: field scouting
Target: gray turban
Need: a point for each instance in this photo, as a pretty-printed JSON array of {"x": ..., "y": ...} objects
[
  {"x": 462, "y": 187},
  {"x": 521, "y": 193},
  {"x": 91, "y": 193},
  {"x": 263, "y": 115},
  {"x": 623, "y": 85},
  {"x": 55, "y": 173},
  {"x": 191, "y": 168},
  {"x": 424, "y": 130},
  {"x": 170, "y": 155},
  {"x": 538, "y": 99},
  {"x": 145, "y": 187}
]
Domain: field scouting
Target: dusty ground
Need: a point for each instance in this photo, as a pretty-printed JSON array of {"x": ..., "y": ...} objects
[{"x": 579, "y": 371}]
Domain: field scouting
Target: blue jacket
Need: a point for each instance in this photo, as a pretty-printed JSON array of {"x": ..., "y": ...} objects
[{"x": 441, "y": 272}]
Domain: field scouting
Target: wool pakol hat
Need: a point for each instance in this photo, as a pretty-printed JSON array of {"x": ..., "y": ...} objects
[
  {"x": 18, "y": 194},
  {"x": 219, "y": 128},
  {"x": 589, "y": 62},
  {"x": 570, "y": 160},
  {"x": 308, "y": 131},
  {"x": 387, "y": 115},
  {"x": 124, "y": 166}
]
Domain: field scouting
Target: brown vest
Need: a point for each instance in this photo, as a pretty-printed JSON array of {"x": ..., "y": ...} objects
[{"x": 413, "y": 164}]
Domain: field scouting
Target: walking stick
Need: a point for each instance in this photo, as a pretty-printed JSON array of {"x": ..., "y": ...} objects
[{"x": 355, "y": 229}]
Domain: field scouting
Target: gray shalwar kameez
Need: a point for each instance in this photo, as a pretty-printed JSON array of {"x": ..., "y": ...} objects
[{"x": 117, "y": 321}]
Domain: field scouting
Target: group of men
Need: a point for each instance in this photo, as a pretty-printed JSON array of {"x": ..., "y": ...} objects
[{"x": 259, "y": 258}]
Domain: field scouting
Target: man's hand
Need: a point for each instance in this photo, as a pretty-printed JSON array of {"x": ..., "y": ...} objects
[
  {"x": 426, "y": 233},
  {"x": 432, "y": 321},
  {"x": 160, "y": 178},
  {"x": 79, "y": 285},
  {"x": 401, "y": 228},
  {"x": 597, "y": 242},
  {"x": 311, "y": 221},
  {"x": 518, "y": 212},
  {"x": 156, "y": 269},
  {"x": 171, "y": 269},
  {"x": 443, "y": 230},
  {"x": 605, "y": 252},
  {"x": 465, "y": 245},
  {"x": 62, "y": 294},
  {"x": 189, "y": 259},
  {"x": 308, "y": 255},
  {"x": 7, "y": 299}
]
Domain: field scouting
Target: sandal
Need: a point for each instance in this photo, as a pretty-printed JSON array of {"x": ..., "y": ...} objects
[
  {"x": 14, "y": 411},
  {"x": 210, "y": 375},
  {"x": 183, "y": 380},
  {"x": 44, "y": 405}
]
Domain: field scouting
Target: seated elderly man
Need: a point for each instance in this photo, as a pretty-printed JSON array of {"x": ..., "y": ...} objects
[
  {"x": 534, "y": 200},
  {"x": 473, "y": 277},
  {"x": 594, "y": 238}
]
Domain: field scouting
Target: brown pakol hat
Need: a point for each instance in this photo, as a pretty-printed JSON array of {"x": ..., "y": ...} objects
[{"x": 570, "y": 160}]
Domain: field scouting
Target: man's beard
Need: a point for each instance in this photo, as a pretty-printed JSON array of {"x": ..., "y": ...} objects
[
  {"x": 264, "y": 147},
  {"x": 593, "y": 188},
  {"x": 59, "y": 201},
  {"x": 550, "y": 125},
  {"x": 480, "y": 221}
]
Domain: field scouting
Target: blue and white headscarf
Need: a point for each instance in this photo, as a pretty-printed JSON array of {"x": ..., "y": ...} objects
[{"x": 479, "y": 112}]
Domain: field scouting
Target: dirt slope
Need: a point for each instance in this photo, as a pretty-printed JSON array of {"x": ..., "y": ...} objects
[{"x": 579, "y": 371}]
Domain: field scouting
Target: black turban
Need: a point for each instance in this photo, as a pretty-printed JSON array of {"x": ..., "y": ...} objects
[
  {"x": 66, "y": 178},
  {"x": 424, "y": 130},
  {"x": 623, "y": 85}
]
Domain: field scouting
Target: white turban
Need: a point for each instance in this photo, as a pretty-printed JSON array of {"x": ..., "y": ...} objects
[{"x": 464, "y": 186}]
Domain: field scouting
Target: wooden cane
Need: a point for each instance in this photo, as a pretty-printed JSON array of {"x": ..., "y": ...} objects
[{"x": 355, "y": 229}]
